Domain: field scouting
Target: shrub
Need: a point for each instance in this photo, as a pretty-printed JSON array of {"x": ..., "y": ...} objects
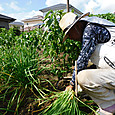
[{"x": 108, "y": 16}]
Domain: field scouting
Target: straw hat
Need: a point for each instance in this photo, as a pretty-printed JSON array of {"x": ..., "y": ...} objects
[{"x": 68, "y": 25}]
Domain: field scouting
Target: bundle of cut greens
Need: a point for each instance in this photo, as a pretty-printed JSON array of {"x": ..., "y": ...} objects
[{"x": 63, "y": 103}]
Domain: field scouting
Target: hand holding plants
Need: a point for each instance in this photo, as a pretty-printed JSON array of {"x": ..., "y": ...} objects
[{"x": 69, "y": 88}]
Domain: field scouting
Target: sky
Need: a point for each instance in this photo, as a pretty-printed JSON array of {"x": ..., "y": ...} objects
[{"x": 23, "y": 9}]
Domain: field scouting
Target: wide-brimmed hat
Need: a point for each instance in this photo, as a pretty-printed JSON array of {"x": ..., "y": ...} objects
[{"x": 68, "y": 21}]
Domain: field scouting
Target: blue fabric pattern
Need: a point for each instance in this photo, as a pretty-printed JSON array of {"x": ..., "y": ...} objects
[{"x": 93, "y": 34}]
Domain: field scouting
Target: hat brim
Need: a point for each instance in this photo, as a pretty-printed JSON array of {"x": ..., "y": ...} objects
[{"x": 66, "y": 33}]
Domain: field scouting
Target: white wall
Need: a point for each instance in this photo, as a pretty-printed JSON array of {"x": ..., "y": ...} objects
[{"x": 32, "y": 23}]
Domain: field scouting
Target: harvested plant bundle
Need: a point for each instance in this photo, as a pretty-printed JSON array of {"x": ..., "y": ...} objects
[{"x": 63, "y": 103}]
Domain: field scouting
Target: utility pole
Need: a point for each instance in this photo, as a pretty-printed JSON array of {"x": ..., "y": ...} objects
[{"x": 67, "y": 5}]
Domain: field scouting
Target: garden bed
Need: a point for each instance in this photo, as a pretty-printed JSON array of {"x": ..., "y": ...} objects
[{"x": 32, "y": 70}]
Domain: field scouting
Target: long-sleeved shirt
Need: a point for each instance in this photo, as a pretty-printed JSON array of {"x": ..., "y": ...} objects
[{"x": 93, "y": 35}]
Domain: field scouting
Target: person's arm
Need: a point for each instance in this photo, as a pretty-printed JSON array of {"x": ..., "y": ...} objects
[{"x": 93, "y": 34}]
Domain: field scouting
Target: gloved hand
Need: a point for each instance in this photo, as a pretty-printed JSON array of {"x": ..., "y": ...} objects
[{"x": 70, "y": 87}]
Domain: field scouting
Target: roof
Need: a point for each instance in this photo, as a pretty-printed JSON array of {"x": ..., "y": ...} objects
[
  {"x": 16, "y": 23},
  {"x": 60, "y": 7},
  {"x": 38, "y": 17},
  {"x": 7, "y": 18}
]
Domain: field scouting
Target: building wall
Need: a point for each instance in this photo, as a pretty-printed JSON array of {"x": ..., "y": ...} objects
[
  {"x": 4, "y": 24},
  {"x": 32, "y": 23}
]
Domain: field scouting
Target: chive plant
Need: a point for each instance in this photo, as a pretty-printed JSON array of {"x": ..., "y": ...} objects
[
  {"x": 19, "y": 70},
  {"x": 64, "y": 103}
]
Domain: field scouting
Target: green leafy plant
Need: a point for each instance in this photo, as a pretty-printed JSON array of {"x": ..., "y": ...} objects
[
  {"x": 63, "y": 103},
  {"x": 19, "y": 76},
  {"x": 107, "y": 16},
  {"x": 62, "y": 54},
  {"x": 8, "y": 37}
]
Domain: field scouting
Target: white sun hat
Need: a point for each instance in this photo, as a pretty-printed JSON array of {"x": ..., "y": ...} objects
[{"x": 68, "y": 21}]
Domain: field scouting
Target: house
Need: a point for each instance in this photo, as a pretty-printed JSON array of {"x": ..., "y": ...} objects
[
  {"x": 5, "y": 20},
  {"x": 19, "y": 25},
  {"x": 32, "y": 23},
  {"x": 61, "y": 7}
]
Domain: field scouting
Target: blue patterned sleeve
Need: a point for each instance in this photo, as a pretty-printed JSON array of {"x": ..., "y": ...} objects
[{"x": 93, "y": 34}]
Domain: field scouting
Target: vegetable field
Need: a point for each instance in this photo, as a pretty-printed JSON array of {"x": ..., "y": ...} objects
[{"x": 32, "y": 70}]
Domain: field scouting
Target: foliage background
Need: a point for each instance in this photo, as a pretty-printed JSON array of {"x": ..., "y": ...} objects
[{"x": 108, "y": 16}]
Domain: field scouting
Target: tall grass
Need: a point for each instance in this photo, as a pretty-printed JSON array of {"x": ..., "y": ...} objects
[
  {"x": 64, "y": 103},
  {"x": 19, "y": 75}
]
